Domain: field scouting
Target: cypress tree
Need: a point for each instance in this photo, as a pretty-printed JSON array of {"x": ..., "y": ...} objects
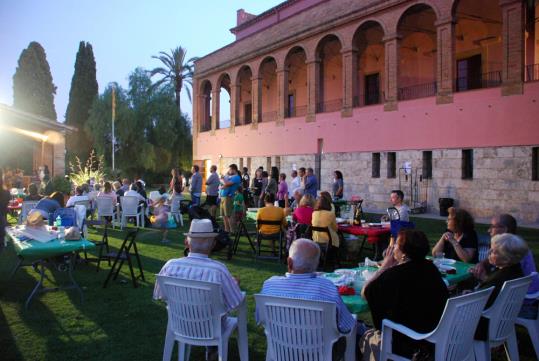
[
  {"x": 83, "y": 92},
  {"x": 33, "y": 89}
]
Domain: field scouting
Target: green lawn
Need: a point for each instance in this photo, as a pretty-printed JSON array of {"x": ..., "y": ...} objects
[{"x": 124, "y": 323}]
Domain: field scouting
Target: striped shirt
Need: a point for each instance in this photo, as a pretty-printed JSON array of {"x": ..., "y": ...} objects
[
  {"x": 309, "y": 287},
  {"x": 199, "y": 267}
]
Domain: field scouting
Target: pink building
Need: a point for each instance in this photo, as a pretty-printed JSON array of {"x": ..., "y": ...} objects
[{"x": 437, "y": 97}]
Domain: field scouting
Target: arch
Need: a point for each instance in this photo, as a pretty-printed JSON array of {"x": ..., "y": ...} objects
[
  {"x": 478, "y": 44},
  {"x": 372, "y": 21},
  {"x": 425, "y": 3},
  {"x": 324, "y": 39},
  {"x": 244, "y": 82},
  {"x": 224, "y": 114},
  {"x": 269, "y": 91},
  {"x": 417, "y": 52},
  {"x": 295, "y": 88},
  {"x": 330, "y": 75},
  {"x": 265, "y": 60},
  {"x": 205, "y": 105},
  {"x": 370, "y": 73},
  {"x": 242, "y": 69}
]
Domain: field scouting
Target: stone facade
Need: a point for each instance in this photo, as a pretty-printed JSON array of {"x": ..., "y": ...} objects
[{"x": 501, "y": 179}]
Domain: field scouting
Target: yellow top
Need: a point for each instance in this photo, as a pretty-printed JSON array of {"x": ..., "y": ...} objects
[
  {"x": 324, "y": 218},
  {"x": 271, "y": 213}
]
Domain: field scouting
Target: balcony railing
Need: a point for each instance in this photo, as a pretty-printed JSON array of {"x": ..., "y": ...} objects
[
  {"x": 532, "y": 73},
  {"x": 477, "y": 81},
  {"x": 370, "y": 98},
  {"x": 299, "y": 111},
  {"x": 329, "y": 106},
  {"x": 417, "y": 91},
  {"x": 269, "y": 117}
]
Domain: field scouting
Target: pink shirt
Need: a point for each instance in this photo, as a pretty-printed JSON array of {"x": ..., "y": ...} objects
[
  {"x": 303, "y": 215},
  {"x": 111, "y": 195}
]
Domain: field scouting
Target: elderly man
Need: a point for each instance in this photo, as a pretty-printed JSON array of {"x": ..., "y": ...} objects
[
  {"x": 301, "y": 281},
  {"x": 296, "y": 198},
  {"x": 295, "y": 182}
]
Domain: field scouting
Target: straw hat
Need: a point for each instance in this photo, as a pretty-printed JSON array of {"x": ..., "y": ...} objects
[
  {"x": 201, "y": 228},
  {"x": 34, "y": 219}
]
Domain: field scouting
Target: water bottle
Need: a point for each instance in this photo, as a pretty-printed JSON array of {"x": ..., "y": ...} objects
[{"x": 58, "y": 221}]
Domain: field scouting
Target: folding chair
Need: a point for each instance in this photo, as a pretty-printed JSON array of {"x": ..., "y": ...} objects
[
  {"x": 277, "y": 236},
  {"x": 242, "y": 231},
  {"x": 325, "y": 247},
  {"x": 393, "y": 214},
  {"x": 103, "y": 244},
  {"x": 26, "y": 207},
  {"x": 68, "y": 216},
  {"x": 124, "y": 254}
]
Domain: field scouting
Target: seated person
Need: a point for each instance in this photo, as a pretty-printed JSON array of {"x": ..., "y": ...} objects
[
  {"x": 506, "y": 252},
  {"x": 304, "y": 213},
  {"x": 133, "y": 192},
  {"x": 33, "y": 194},
  {"x": 398, "y": 292},
  {"x": 49, "y": 205},
  {"x": 397, "y": 198},
  {"x": 460, "y": 240},
  {"x": 301, "y": 282},
  {"x": 324, "y": 217},
  {"x": 118, "y": 190},
  {"x": 78, "y": 197},
  {"x": 271, "y": 213},
  {"x": 329, "y": 199},
  {"x": 296, "y": 197},
  {"x": 108, "y": 192}
]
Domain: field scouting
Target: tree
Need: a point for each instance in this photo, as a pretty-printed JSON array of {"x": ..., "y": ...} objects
[
  {"x": 84, "y": 90},
  {"x": 33, "y": 89},
  {"x": 176, "y": 71}
]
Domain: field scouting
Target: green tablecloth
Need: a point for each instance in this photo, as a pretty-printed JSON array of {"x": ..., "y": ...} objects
[
  {"x": 35, "y": 250},
  {"x": 357, "y": 304}
]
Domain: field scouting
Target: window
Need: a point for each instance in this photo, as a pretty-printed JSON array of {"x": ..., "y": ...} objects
[
  {"x": 467, "y": 164},
  {"x": 248, "y": 113},
  {"x": 376, "y": 165},
  {"x": 291, "y": 107},
  {"x": 268, "y": 165},
  {"x": 372, "y": 89},
  {"x": 535, "y": 163},
  {"x": 392, "y": 165},
  {"x": 427, "y": 164},
  {"x": 469, "y": 73}
]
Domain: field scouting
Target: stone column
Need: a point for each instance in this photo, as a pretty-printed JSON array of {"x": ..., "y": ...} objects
[
  {"x": 391, "y": 72},
  {"x": 350, "y": 81},
  {"x": 313, "y": 89},
  {"x": 513, "y": 19},
  {"x": 215, "y": 110},
  {"x": 256, "y": 92},
  {"x": 234, "y": 106},
  {"x": 282, "y": 94},
  {"x": 445, "y": 61}
]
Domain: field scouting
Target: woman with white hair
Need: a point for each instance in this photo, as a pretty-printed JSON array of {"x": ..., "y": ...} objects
[{"x": 506, "y": 252}]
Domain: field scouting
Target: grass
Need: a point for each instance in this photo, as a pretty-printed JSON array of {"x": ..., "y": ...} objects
[{"x": 124, "y": 323}]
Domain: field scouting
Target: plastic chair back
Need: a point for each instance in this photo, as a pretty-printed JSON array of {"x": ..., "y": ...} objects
[
  {"x": 26, "y": 207},
  {"x": 397, "y": 226},
  {"x": 154, "y": 196},
  {"x": 454, "y": 335},
  {"x": 504, "y": 311},
  {"x": 68, "y": 216},
  {"x": 194, "y": 308},
  {"x": 105, "y": 207},
  {"x": 129, "y": 206},
  {"x": 483, "y": 246},
  {"x": 297, "y": 330},
  {"x": 393, "y": 214}
]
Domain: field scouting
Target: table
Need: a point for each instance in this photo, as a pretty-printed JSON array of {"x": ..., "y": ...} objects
[
  {"x": 371, "y": 235},
  {"x": 357, "y": 304},
  {"x": 39, "y": 255}
]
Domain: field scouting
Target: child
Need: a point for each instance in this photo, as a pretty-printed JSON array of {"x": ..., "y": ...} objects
[
  {"x": 239, "y": 206},
  {"x": 159, "y": 219}
]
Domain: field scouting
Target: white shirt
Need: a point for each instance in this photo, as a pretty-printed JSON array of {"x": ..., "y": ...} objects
[
  {"x": 200, "y": 267},
  {"x": 132, "y": 193},
  {"x": 295, "y": 184},
  {"x": 73, "y": 199}
]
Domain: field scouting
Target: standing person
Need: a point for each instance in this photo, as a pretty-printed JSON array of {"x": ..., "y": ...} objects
[
  {"x": 295, "y": 183},
  {"x": 227, "y": 192},
  {"x": 273, "y": 181},
  {"x": 245, "y": 181},
  {"x": 4, "y": 201},
  {"x": 301, "y": 174},
  {"x": 282, "y": 191},
  {"x": 256, "y": 186},
  {"x": 311, "y": 183},
  {"x": 338, "y": 185},
  {"x": 265, "y": 177},
  {"x": 196, "y": 185},
  {"x": 212, "y": 190},
  {"x": 176, "y": 183}
]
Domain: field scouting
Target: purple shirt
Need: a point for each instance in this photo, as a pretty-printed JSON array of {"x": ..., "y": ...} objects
[
  {"x": 282, "y": 191},
  {"x": 528, "y": 266}
]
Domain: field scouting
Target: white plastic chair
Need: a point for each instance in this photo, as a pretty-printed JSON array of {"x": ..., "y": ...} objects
[
  {"x": 175, "y": 209},
  {"x": 454, "y": 334},
  {"x": 26, "y": 207},
  {"x": 197, "y": 316},
  {"x": 154, "y": 196},
  {"x": 502, "y": 315},
  {"x": 105, "y": 208},
  {"x": 298, "y": 330},
  {"x": 532, "y": 325},
  {"x": 130, "y": 208}
]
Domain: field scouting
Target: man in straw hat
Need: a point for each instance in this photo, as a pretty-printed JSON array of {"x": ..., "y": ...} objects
[{"x": 199, "y": 267}]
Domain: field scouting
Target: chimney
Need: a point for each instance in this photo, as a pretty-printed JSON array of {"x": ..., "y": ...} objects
[{"x": 243, "y": 16}]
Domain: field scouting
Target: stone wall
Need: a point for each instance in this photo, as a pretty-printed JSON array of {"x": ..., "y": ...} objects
[{"x": 501, "y": 179}]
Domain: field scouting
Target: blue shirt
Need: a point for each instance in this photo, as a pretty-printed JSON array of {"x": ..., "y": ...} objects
[
  {"x": 196, "y": 183},
  {"x": 309, "y": 287},
  {"x": 48, "y": 205},
  {"x": 230, "y": 191},
  {"x": 311, "y": 185}
]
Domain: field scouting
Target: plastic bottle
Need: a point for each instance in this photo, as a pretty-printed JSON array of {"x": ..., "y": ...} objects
[{"x": 58, "y": 221}]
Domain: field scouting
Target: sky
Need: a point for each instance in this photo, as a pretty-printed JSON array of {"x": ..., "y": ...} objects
[{"x": 124, "y": 35}]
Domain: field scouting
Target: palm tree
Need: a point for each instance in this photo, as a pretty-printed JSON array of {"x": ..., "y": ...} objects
[{"x": 176, "y": 71}]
